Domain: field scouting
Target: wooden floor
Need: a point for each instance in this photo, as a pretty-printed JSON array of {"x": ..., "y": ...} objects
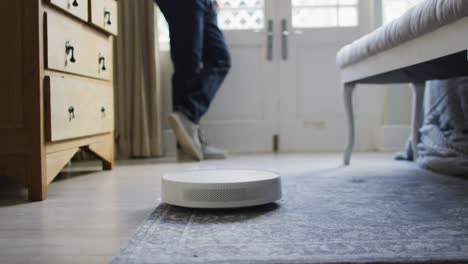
[{"x": 89, "y": 213}]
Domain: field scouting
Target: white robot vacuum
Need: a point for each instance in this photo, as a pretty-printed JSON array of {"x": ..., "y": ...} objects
[{"x": 220, "y": 188}]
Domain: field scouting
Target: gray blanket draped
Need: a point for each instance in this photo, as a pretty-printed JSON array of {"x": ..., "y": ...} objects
[{"x": 443, "y": 145}]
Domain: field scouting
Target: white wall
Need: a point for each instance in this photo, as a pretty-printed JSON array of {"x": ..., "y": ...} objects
[
  {"x": 396, "y": 117},
  {"x": 397, "y": 108}
]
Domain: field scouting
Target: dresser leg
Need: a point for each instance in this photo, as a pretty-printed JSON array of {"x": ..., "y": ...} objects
[
  {"x": 25, "y": 171},
  {"x": 37, "y": 190},
  {"x": 107, "y": 165},
  {"x": 37, "y": 193},
  {"x": 105, "y": 151}
]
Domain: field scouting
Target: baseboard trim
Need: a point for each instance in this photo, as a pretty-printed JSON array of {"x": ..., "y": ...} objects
[{"x": 393, "y": 138}]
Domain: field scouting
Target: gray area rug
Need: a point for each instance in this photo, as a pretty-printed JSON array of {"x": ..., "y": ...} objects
[{"x": 385, "y": 214}]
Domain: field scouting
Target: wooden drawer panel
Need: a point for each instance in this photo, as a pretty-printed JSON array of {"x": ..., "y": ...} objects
[
  {"x": 78, "y": 8},
  {"x": 104, "y": 15},
  {"x": 75, "y": 48},
  {"x": 77, "y": 108}
]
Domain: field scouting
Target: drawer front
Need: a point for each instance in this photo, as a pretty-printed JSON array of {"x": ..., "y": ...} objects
[
  {"x": 77, "y": 108},
  {"x": 78, "y": 8},
  {"x": 75, "y": 48},
  {"x": 104, "y": 15}
]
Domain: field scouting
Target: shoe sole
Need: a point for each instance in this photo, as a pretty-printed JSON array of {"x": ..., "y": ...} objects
[
  {"x": 183, "y": 137},
  {"x": 215, "y": 157},
  {"x": 182, "y": 156}
]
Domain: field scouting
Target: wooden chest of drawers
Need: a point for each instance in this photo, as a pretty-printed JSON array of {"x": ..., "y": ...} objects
[{"x": 56, "y": 94}]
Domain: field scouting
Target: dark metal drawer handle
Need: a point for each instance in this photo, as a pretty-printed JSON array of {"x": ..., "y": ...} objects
[
  {"x": 71, "y": 113},
  {"x": 70, "y": 49},
  {"x": 102, "y": 61},
  {"x": 107, "y": 15},
  {"x": 75, "y": 3},
  {"x": 103, "y": 112}
]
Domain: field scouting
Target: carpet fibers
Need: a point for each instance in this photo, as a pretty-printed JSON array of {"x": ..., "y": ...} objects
[{"x": 385, "y": 214}]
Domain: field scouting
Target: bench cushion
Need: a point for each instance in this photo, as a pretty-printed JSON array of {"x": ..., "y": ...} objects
[{"x": 423, "y": 18}]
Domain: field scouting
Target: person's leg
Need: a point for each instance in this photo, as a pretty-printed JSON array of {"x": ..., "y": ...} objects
[
  {"x": 201, "y": 61},
  {"x": 216, "y": 65},
  {"x": 186, "y": 21},
  {"x": 186, "y": 26},
  {"x": 199, "y": 52},
  {"x": 216, "y": 59}
]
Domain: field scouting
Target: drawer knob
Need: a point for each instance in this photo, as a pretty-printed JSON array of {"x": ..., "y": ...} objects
[
  {"x": 107, "y": 15},
  {"x": 71, "y": 113},
  {"x": 69, "y": 49},
  {"x": 102, "y": 61},
  {"x": 75, "y": 3},
  {"x": 103, "y": 112}
]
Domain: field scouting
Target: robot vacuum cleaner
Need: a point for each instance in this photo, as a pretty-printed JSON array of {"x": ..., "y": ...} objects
[{"x": 220, "y": 188}]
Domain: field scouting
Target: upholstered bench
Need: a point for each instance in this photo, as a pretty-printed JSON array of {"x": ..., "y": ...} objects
[{"x": 428, "y": 42}]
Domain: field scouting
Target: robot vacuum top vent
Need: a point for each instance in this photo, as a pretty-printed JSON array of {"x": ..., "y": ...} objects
[{"x": 221, "y": 188}]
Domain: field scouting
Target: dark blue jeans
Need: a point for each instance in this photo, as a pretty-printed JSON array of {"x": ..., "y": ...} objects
[{"x": 199, "y": 53}]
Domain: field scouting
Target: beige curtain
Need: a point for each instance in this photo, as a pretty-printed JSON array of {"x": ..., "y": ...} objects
[{"x": 137, "y": 81}]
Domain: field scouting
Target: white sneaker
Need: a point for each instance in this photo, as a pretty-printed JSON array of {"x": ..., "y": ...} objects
[
  {"x": 210, "y": 152},
  {"x": 187, "y": 135}
]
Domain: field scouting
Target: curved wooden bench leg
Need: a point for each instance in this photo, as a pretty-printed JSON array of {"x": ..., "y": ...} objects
[
  {"x": 348, "y": 90},
  {"x": 417, "y": 115}
]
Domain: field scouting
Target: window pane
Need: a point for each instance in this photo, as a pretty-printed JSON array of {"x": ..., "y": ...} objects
[
  {"x": 241, "y": 14},
  {"x": 314, "y": 17},
  {"x": 325, "y": 13},
  {"x": 314, "y": 2},
  {"x": 348, "y": 2},
  {"x": 348, "y": 17},
  {"x": 241, "y": 3},
  {"x": 240, "y": 19}
]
